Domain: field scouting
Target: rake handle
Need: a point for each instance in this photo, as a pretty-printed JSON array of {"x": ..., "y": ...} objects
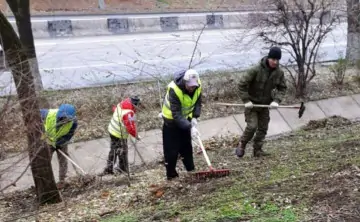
[
  {"x": 204, "y": 152},
  {"x": 263, "y": 106},
  {"x": 68, "y": 158}
]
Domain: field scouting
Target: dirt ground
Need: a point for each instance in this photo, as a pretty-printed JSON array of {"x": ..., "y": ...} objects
[
  {"x": 39, "y": 7},
  {"x": 311, "y": 175}
]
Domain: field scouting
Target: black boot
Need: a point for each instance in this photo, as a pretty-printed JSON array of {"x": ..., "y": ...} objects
[
  {"x": 258, "y": 152},
  {"x": 240, "y": 150},
  {"x": 108, "y": 170}
]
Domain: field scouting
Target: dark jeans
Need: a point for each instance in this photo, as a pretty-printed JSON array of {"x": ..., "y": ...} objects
[
  {"x": 118, "y": 149},
  {"x": 177, "y": 141}
]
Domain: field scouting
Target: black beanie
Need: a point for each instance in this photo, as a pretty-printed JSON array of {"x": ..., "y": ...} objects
[
  {"x": 135, "y": 100},
  {"x": 275, "y": 53}
]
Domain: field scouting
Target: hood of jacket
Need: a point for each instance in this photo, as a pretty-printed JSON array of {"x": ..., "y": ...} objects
[
  {"x": 66, "y": 110},
  {"x": 126, "y": 104},
  {"x": 178, "y": 79}
]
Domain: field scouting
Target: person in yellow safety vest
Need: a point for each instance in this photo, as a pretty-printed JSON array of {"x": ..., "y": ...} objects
[
  {"x": 180, "y": 110},
  {"x": 59, "y": 127},
  {"x": 122, "y": 125}
]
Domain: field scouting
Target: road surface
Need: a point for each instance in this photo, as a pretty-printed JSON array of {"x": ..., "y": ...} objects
[{"x": 93, "y": 61}]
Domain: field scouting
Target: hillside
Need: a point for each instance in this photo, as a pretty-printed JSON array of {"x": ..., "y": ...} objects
[{"x": 312, "y": 175}]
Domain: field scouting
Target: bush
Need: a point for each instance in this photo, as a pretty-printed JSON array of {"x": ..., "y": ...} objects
[{"x": 339, "y": 71}]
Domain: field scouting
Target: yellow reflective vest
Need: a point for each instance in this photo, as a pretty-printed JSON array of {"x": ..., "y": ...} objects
[
  {"x": 51, "y": 134},
  {"x": 187, "y": 103},
  {"x": 116, "y": 126}
]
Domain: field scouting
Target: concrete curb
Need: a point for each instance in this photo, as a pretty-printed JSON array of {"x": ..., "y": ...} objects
[{"x": 114, "y": 25}]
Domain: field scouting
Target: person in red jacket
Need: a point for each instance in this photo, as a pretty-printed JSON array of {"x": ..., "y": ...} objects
[{"x": 122, "y": 125}]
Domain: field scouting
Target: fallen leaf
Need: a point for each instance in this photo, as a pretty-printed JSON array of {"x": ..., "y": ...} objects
[
  {"x": 105, "y": 194},
  {"x": 159, "y": 193}
]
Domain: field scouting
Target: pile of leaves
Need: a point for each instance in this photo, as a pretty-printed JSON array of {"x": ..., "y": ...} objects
[
  {"x": 310, "y": 176},
  {"x": 330, "y": 122}
]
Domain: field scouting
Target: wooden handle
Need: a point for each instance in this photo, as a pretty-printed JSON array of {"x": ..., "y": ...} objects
[
  {"x": 256, "y": 105},
  {"x": 204, "y": 152}
]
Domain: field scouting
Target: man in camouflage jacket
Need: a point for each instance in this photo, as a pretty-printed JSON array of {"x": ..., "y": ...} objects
[{"x": 263, "y": 84}]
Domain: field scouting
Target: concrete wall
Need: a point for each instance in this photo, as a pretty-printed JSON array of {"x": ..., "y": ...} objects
[{"x": 113, "y": 25}]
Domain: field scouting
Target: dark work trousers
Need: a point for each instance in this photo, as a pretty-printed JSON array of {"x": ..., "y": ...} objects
[
  {"x": 118, "y": 149},
  {"x": 177, "y": 141}
]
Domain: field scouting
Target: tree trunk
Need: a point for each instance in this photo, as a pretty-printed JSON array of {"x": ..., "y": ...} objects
[
  {"x": 301, "y": 82},
  {"x": 40, "y": 158},
  {"x": 21, "y": 11},
  {"x": 353, "y": 35}
]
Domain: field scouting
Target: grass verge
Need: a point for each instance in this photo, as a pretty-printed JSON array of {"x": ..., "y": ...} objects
[
  {"x": 94, "y": 104},
  {"x": 312, "y": 175}
]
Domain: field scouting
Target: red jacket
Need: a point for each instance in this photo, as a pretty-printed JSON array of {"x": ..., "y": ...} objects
[{"x": 128, "y": 119}]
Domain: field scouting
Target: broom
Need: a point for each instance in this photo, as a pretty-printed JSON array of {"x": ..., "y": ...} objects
[{"x": 211, "y": 173}]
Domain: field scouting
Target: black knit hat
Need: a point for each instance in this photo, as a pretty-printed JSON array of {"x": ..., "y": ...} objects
[
  {"x": 135, "y": 100},
  {"x": 275, "y": 53}
]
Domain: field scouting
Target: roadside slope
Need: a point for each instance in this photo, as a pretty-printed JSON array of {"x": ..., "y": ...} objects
[{"x": 311, "y": 173}]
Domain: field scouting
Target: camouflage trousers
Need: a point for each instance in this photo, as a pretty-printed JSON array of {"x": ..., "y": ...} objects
[{"x": 257, "y": 121}]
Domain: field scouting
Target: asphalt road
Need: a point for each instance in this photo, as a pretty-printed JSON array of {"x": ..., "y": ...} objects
[{"x": 92, "y": 61}]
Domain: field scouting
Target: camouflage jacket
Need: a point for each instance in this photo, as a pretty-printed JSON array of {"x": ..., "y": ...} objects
[{"x": 261, "y": 85}]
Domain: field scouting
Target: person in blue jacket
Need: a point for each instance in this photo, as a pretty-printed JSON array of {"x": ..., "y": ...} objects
[{"x": 59, "y": 127}]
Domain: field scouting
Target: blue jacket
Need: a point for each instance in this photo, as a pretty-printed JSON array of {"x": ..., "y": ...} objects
[{"x": 64, "y": 110}]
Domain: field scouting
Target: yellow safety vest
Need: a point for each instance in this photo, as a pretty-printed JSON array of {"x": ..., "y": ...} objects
[
  {"x": 52, "y": 135},
  {"x": 116, "y": 126},
  {"x": 187, "y": 104}
]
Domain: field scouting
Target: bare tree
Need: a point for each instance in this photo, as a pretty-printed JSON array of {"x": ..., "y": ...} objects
[
  {"x": 299, "y": 27},
  {"x": 40, "y": 159},
  {"x": 21, "y": 11},
  {"x": 353, "y": 32}
]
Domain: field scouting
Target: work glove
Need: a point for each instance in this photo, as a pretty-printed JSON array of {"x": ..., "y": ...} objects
[
  {"x": 274, "y": 105},
  {"x": 160, "y": 115},
  {"x": 194, "y": 132},
  {"x": 135, "y": 139},
  {"x": 193, "y": 122},
  {"x": 249, "y": 105}
]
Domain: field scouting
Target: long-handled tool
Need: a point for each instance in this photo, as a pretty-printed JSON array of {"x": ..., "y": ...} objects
[
  {"x": 211, "y": 173},
  {"x": 85, "y": 178},
  {"x": 72, "y": 162},
  {"x": 301, "y": 108}
]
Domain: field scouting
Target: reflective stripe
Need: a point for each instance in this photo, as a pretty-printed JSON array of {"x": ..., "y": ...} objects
[
  {"x": 116, "y": 126},
  {"x": 187, "y": 103}
]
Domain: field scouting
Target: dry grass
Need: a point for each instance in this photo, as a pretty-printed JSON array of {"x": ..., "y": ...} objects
[{"x": 94, "y": 104}]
